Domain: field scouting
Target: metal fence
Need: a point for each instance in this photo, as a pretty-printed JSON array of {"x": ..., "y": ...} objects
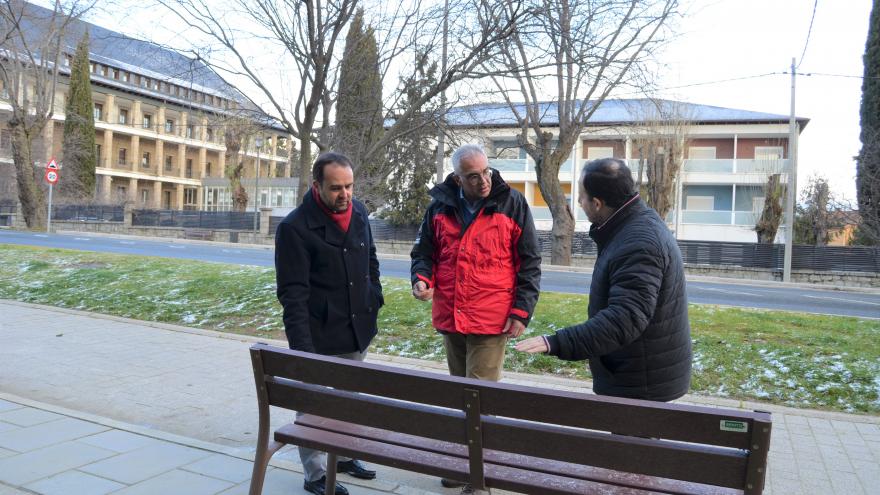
[
  {"x": 88, "y": 213},
  {"x": 194, "y": 219}
]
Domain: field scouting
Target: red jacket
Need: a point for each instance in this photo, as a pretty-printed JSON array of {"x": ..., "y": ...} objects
[{"x": 488, "y": 273}]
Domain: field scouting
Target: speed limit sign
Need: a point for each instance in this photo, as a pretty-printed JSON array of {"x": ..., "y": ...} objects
[{"x": 51, "y": 176}]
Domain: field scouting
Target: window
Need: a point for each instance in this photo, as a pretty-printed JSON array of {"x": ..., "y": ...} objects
[
  {"x": 99, "y": 111},
  {"x": 123, "y": 76},
  {"x": 98, "y": 155},
  {"x": 104, "y": 71},
  {"x": 768, "y": 152},
  {"x": 506, "y": 150},
  {"x": 700, "y": 203},
  {"x": 189, "y": 168},
  {"x": 596, "y": 152},
  {"x": 208, "y": 169},
  {"x": 169, "y": 125},
  {"x": 701, "y": 153},
  {"x": 145, "y": 82},
  {"x": 121, "y": 158},
  {"x": 67, "y": 60},
  {"x": 155, "y": 85},
  {"x": 758, "y": 204},
  {"x": 148, "y": 121},
  {"x": 145, "y": 160},
  {"x": 189, "y": 131},
  {"x": 169, "y": 161},
  {"x": 189, "y": 196},
  {"x": 115, "y": 73},
  {"x": 145, "y": 196},
  {"x": 93, "y": 67},
  {"x": 210, "y": 134},
  {"x": 123, "y": 116}
]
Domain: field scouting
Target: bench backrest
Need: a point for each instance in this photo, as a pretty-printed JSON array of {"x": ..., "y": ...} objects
[{"x": 712, "y": 446}]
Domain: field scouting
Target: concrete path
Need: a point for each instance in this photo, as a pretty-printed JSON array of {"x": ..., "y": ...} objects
[{"x": 95, "y": 404}]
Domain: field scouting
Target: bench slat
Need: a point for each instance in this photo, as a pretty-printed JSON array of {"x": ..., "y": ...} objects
[
  {"x": 646, "y": 419},
  {"x": 589, "y": 473},
  {"x": 416, "y": 419},
  {"x": 402, "y": 457}
]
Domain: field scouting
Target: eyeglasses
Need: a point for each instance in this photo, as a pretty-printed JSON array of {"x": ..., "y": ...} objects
[{"x": 477, "y": 177}]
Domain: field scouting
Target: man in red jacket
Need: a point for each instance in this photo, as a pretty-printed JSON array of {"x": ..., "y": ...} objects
[{"x": 477, "y": 257}]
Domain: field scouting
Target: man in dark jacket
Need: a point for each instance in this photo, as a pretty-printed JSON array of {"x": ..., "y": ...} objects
[
  {"x": 637, "y": 337},
  {"x": 327, "y": 274}
]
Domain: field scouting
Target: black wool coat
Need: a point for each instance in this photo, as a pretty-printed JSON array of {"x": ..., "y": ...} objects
[
  {"x": 328, "y": 280},
  {"x": 637, "y": 337}
]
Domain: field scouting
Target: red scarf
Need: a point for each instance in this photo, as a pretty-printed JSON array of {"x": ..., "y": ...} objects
[{"x": 342, "y": 219}]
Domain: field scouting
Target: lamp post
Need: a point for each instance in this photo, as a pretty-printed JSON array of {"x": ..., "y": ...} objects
[{"x": 258, "y": 141}]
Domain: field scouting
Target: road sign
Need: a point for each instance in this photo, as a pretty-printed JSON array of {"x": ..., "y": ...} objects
[
  {"x": 52, "y": 165},
  {"x": 51, "y": 176}
]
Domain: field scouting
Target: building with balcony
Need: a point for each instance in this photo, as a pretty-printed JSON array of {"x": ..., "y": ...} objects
[
  {"x": 729, "y": 155},
  {"x": 160, "y": 120}
]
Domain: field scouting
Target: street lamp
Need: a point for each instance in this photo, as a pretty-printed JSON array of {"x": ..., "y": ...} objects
[{"x": 258, "y": 141}]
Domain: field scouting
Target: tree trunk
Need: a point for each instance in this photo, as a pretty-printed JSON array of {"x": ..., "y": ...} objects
[
  {"x": 771, "y": 216},
  {"x": 305, "y": 168},
  {"x": 30, "y": 195},
  {"x": 563, "y": 221}
]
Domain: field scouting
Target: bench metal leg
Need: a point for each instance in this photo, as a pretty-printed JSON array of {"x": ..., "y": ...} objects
[
  {"x": 330, "y": 487},
  {"x": 261, "y": 463}
]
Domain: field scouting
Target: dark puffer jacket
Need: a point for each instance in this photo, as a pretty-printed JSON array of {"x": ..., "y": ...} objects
[{"x": 637, "y": 337}]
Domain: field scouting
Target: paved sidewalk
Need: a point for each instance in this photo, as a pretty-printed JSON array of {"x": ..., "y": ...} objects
[{"x": 91, "y": 397}]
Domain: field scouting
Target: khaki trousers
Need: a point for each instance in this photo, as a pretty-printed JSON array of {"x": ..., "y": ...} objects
[{"x": 475, "y": 356}]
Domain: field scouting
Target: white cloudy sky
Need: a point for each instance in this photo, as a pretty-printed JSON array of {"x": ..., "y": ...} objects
[
  {"x": 718, "y": 40},
  {"x": 725, "y": 39}
]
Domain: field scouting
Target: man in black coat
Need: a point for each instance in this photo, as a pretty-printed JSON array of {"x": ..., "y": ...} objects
[
  {"x": 637, "y": 337},
  {"x": 327, "y": 274}
]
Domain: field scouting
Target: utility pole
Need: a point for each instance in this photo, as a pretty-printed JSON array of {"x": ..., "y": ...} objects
[
  {"x": 792, "y": 183},
  {"x": 258, "y": 141},
  {"x": 441, "y": 138}
]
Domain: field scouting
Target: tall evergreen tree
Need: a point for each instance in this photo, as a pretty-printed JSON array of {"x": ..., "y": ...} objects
[
  {"x": 78, "y": 175},
  {"x": 359, "y": 108},
  {"x": 868, "y": 171},
  {"x": 411, "y": 156}
]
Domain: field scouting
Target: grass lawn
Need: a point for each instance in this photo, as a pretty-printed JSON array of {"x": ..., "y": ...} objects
[{"x": 826, "y": 362}]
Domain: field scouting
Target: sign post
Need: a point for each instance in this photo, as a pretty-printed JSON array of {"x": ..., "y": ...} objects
[{"x": 51, "y": 177}]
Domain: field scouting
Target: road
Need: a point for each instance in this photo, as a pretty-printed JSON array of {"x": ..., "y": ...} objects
[{"x": 736, "y": 293}]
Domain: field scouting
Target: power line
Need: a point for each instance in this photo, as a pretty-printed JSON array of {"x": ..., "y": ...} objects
[{"x": 810, "y": 30}]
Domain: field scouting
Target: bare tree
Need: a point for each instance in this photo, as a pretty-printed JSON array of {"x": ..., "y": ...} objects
[
  {"x": 771, "y": 214},
  {"x": 32, "y": 40},
  {"x": 661, "y": 141},
  {"x": 238, "y": 131},
  {"x": 820, "y": 215},
  {"x": 309, "y": 33},
  {"x": 562, "y": 62}
]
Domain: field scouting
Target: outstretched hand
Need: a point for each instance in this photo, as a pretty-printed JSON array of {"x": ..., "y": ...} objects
[{"x": 532, "y": 345}]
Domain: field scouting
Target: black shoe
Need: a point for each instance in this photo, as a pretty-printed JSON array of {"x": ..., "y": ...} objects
[
  {"x": 450, "y": 483},
  {"x": 317, "y": 487},
  {"x": 356, "y": 469}
]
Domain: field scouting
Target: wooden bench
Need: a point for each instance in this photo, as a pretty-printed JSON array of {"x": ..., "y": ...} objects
[
  {"x": 199, "y": 234},
  {"x": 498, "y": 435}
]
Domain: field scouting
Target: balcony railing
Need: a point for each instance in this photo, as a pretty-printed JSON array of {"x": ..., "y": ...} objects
[
  {"x": 710, "y": 166},
  {"x": 761, "y": 166},
  {"x": 523, "y": 165},
  {"x": 718, "y": 217}
]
